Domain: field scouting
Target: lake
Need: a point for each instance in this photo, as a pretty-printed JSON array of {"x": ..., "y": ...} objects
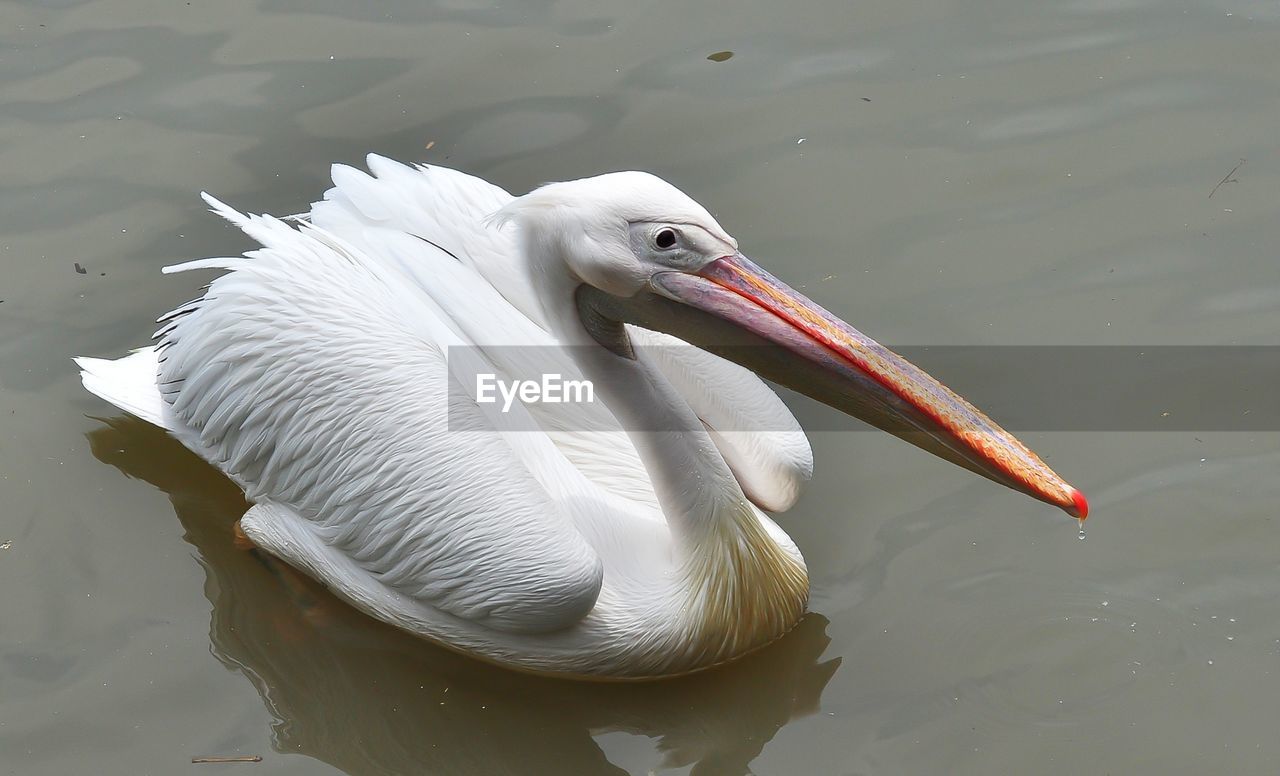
[{"x": 1090, "y": 173}]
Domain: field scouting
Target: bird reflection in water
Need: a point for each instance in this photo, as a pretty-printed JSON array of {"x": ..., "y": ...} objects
[{"x": 367, "y": 698}]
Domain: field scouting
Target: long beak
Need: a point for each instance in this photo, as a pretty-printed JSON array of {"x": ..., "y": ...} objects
[{"x": 735, "y": 309}]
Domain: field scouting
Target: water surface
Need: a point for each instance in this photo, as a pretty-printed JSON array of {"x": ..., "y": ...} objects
[{"x": 939, "y": 174}]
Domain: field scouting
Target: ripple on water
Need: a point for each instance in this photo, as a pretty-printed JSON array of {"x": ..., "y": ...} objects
[{"x": 1059, "y": 653}]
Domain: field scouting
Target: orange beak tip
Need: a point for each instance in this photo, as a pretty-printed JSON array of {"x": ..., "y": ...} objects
[{"x": 1080, "y": 504}]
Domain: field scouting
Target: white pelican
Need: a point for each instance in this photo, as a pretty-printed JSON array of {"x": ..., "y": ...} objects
[{"x": 626, "y": 539}]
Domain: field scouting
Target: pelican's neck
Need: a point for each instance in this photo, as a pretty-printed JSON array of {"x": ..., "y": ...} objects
[
  {"x": 694, "y": 486},
  {"x": 740, "y": 588}
]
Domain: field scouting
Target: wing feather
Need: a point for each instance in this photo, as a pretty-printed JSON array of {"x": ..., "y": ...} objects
[{"x": 319, "y": 379}]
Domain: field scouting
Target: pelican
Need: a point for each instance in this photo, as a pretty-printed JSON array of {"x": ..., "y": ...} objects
[{"x": 621, "y": 538}]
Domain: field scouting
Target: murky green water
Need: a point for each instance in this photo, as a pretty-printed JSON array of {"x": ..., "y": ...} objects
[{"x": 938, "y": 173}]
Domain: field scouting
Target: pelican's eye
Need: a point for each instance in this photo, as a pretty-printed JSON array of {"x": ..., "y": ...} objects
[{"x": 665, "y": 239}]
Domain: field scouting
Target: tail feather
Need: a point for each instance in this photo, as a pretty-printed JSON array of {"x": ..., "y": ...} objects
[{"x": 129, "y": 383}]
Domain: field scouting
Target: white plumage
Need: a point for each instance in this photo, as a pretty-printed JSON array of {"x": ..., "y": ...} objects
[
  {"x": 620, "y": 539},
  {"x": 314, "y": 374}
]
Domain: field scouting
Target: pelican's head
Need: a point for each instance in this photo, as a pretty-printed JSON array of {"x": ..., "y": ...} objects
[
  {"x": 640, "y": 251},
  {"x": 616, "y": 231}
]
